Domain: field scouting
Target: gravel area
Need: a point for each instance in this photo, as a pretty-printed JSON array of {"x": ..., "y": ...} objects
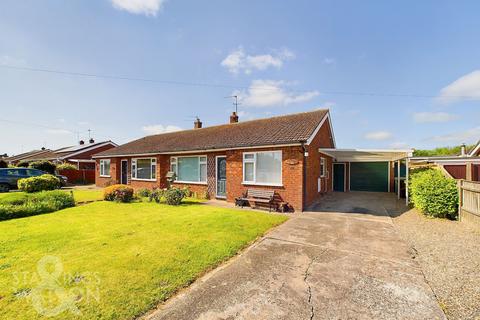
[{"x": 449, "y": 254}]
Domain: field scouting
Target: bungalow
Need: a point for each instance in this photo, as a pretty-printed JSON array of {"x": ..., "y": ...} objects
[{"x": 292, "y": 155}]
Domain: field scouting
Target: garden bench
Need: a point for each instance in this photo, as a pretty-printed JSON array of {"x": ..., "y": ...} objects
[{"x": 256, "y": 196}]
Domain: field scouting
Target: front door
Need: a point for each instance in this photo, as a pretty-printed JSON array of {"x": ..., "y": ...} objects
[
  {"x": 339, "y": 177},
  {"x": 124, "y": 175},
  {"x": 221, "y": 174}
]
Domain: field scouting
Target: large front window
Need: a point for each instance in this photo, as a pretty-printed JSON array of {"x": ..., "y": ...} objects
[
  {"x": 189, "y": 169},
  {"x": 105, "y": 168},
  {"x": 262, "y": 167},
  {"x": 144, "y": 169}
]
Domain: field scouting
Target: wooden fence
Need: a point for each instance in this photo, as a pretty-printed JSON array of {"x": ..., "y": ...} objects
[{"x": 469, "y": 201}]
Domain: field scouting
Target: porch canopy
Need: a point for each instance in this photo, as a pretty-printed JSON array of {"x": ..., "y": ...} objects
[{"x": 360, "y": 155}]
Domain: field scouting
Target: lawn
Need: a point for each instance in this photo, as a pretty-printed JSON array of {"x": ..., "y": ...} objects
[
  {"x": 114, "y": 260},
  {"x": 80, "y": 195}
]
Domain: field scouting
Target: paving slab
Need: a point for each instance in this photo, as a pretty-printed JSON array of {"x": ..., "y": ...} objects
[{"x": 317, "y": 265}]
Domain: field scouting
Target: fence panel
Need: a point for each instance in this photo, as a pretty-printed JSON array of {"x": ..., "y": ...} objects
[{"x": 469, "y": 206}]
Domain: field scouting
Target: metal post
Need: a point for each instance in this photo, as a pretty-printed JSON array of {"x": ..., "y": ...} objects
[
  {"x": 398, "y": 178},
  {"x": 407, "y": 163}
]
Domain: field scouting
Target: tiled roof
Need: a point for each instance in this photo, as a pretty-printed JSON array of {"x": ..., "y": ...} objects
[
  {"x": 286, "y": 129},
  {"x": 26, "y": 155}
]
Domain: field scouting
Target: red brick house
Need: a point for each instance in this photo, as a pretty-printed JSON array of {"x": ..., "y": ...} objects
[{"x": 279, "y": 153}]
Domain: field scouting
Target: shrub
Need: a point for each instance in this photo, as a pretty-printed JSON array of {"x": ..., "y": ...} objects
[
  {"x": 119, "y": 193},
  {"x": 40, "y": 183},
  {"x": 144, "y": 193},
  {"x": 3, "y": 164},
  {"x": 204, "y": 195},
  {"x": 43, "y": 165},
  {"x": 37, "y": 203},
  {"x": 22, "y": 164},
  {"x": 66, "y": 166},
  {"x": 434, "y": 194},
  {"x": 174, "y": 196},
  {"x": 156, "y": 195},
  {"x": 186, "y": 192}
]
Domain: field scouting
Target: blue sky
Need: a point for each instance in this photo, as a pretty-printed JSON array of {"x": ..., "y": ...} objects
[{"x": 395, "y": 74}]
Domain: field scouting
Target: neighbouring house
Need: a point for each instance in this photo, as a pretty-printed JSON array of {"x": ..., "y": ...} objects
[
  {"x": 465, "y": 165},
  {"x": 294, "y": 155},
  {"x": 79, "y": 155}
]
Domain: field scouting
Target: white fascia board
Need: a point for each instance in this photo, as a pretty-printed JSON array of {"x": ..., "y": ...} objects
[{"x": 325, "y": 118}]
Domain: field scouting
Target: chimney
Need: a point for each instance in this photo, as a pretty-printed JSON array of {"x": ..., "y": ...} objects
[
  {"x": 197, "y": 124},
  {"x": 91, "y": 140},
  {"x": 234, "y": 117},
  {"x": 462, "y": 150},
  {"x": 82, "y": 142},
  {"x": 43, "y": 148}
]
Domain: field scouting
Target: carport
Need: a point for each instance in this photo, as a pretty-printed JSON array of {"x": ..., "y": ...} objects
[{"x": 374, "y": 170}]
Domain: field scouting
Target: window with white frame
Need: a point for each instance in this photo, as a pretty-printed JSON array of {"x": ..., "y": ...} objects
[
  {"x": 144, "y": 169},
  {"x": 105, "y": 168},
  {"x": 189, "y": 169},
  {"x": 323, "y": 167},
  {"x": 262, "y": 167}
]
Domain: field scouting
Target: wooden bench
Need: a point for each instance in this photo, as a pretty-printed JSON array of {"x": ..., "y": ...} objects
[{"x": 256, "y": 196}]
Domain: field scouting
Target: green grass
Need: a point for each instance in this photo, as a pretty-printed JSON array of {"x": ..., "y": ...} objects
[
  {"x": 80, "y": 195},
  {"x": 122, "y": 258}
]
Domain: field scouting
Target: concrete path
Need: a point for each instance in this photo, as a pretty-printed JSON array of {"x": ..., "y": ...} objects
[{"x": 318, "y": 265}]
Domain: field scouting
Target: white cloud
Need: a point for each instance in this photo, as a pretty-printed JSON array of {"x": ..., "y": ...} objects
[
  {"x": 238, "y": 61},
  {"x": 82, "y": 123},
  {"x": 59, "y": 131},
  {"x": 378, "y": 135},
  {"x": 146, "y": 7},
  {"x": 466, "y": 136},
  {"x": 424, "y": 117},
  {"x": 267, "y": 93},
  {"x": 6, "y": 60},
  {"x": 466, "y": 87},
  {"x": 329, "y": 61},
  {"x": 159, "y": 128}
]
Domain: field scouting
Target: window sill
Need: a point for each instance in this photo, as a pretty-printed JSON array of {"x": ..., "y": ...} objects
[
  {"x": 105, "y": 176},
  {"x": 150, "y": 180},
  {"x": 190, "y": 182},
  {"x": 262, "y": 184}
]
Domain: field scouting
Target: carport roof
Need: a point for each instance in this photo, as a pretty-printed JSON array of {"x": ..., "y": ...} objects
[{"x": 348, "y": 155}]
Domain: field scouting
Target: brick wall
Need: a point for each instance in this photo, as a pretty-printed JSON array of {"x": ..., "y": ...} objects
[
  {"x": 323, "y": 139},
  {"x": 292, "y": 176}
]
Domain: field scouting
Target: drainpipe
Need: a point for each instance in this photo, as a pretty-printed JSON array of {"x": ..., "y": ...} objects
[{"x": 304, "y": 174}]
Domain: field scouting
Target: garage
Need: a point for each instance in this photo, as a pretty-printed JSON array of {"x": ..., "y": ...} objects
[
  {"x": 369, "y": 176},
  {"x": 371, "y": 170}
]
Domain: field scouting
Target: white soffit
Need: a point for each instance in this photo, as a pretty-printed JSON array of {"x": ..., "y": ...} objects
[{"x": 353, "y": 155}]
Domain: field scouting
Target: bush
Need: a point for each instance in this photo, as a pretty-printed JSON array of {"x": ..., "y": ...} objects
[
  {"x": 40, "y": 183},
  {"x": 434, "y": 194},
  {"x": 66, "y": 166},
  {"x": 119, "y": 193},
  {"x": 43, "y": 165},
  {"x": 144, "y": 193},
  {"x": 22, "y": 164},
  {"x": 3, "y": 164},
  {"x": 174, "y": 196},
  {"x": 156, "y": 195},
  {"x": 37, "y": 203}
]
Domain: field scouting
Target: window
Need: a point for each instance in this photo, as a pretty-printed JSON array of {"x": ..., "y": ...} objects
[
  {"x": 189, "y": 169},
  {"x": 105, "y": 168},
  {"x": 323, "y": 168},
  {"x": 144, "y": 169},
  {"x": 262, "y": 167}
]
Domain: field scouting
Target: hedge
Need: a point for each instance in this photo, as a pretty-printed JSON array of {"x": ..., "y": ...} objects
[
  {"x": 39, "y": 183},
  {"x": 43, "y": 165},
  {"x": 66, "y": 166},
  {"x": 434, "y": 194},
  {"x": 37, "y": 203}
]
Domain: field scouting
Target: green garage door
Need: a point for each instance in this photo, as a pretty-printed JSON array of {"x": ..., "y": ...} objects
[{"x": 369, "y": 176}]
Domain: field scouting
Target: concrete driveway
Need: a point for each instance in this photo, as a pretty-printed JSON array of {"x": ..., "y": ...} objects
[{"x": 318, "y": 265}]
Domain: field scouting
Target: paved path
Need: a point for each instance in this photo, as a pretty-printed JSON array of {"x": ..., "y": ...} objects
[{"x": 318, "y": 265}]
